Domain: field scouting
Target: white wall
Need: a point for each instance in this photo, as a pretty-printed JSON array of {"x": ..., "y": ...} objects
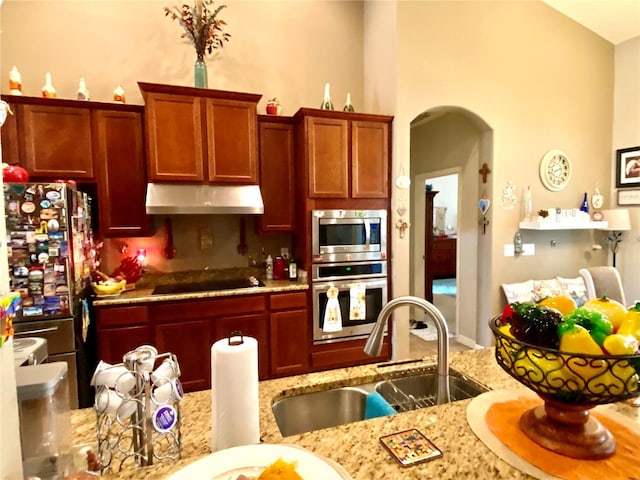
[
  {"x": 540, "y": 81},
  {"x": 626, "y": 133}
]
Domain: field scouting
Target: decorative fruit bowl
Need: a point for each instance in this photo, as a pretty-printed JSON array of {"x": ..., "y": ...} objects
[{"x": 570, "y": 385}]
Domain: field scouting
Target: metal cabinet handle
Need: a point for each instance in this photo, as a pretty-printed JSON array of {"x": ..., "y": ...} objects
[{"x": 31, "y": 332}]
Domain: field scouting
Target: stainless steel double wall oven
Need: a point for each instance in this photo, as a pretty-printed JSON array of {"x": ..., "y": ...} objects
[{"x": 349, "y": 251}]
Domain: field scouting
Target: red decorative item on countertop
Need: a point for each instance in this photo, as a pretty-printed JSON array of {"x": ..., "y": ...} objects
[
  {"x": 129, "y": 269},
  {"x": 14, "y": 173}
]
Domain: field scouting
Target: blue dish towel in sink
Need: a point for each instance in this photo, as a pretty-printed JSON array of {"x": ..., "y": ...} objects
[{"x": 377, "y": 406}]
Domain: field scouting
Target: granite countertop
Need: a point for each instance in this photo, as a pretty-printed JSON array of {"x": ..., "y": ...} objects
[
  {"x": 142, "y": 293},
  {"x": 355, "y": 446}
]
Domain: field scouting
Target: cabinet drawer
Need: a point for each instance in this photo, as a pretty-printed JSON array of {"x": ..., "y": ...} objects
[
  {"x": 122, "y": 317},
  {"x": 342, "y": 357},
  {"x": 284, "y": 301},
  {"x": 169, "y": 312}
]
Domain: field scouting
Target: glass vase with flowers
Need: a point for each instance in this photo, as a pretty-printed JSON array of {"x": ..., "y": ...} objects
[{"x": 203, "y": 29}]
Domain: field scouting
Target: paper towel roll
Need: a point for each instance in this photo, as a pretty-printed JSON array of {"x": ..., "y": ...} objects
[{"x": 235, "y": 412}]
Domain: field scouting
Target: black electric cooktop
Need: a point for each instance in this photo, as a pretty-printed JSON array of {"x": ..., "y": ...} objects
[{"x": 209, "y": 285}]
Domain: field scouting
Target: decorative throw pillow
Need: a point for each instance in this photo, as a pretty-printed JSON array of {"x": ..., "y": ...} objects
[
  {"x": 574, "y": 288},
  {"x": 518, "y": 292},
  {"x": 546, "y": 288}
]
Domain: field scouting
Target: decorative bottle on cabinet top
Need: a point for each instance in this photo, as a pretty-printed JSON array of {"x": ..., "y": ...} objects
[
  {"x": 15, "y": 81},
  {"x": 83, "y": 92},
  {"x": 348, "y": 107},
  {"x": 48, "y": 91},
  {"x": 326, "y": 101}
]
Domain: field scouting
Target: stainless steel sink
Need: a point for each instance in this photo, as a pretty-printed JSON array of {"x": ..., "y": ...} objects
[
  {"x": 317, "y": 410},
  {"x": 404, "y": 390},
  {"x": 419, "y": 388}
]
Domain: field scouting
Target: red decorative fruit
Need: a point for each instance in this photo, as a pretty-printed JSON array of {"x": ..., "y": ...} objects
[{"x": 14, "y": 173}]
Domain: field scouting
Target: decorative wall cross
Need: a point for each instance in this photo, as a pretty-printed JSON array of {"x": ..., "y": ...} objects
[{"x": 484, "y": 171}]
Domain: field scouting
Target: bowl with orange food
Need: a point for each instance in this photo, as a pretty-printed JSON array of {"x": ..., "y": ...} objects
[{"x": 574, "y": 360}]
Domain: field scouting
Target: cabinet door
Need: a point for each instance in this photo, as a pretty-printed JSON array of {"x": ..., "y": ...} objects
[
  {"x": 232, "y": 141},
  {"x": 114, "y": 343},
  {"x": 190, "y": 342},
  {"x": 57, "y": 142},
  {"x": 120, "y": 167},
  {"x": 276, "y": 176},
  {"x": 175, "y": 138},
  {"x": 254, "y": 325},
  {"x": 328, "y": 157},
  {"x": 288, "y": 334},
  {"x": 9, "y": 136},
  {"x": 369, "y": 160}
]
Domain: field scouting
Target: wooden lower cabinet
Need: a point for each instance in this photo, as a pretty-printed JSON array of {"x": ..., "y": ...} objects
[
  {"x": 189, "y": 341},
  {"x": 120, "y": 330},
  {"x": 189, "y": 328},
  {"x": 255, "y": 326},
  {"x": 289, "y": 334},
  {"x": 114, "y": 343}
]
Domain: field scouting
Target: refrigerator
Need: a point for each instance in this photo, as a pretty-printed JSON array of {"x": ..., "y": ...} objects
[{"x": 51, "y": 255}]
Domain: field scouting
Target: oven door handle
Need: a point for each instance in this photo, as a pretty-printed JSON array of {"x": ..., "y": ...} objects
[
  {"x": 31, "y": 332},
  {"x": 367, "y": 232}
]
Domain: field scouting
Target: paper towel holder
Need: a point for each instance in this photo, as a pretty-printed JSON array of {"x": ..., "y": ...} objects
[{"x": 236, "y": 333}]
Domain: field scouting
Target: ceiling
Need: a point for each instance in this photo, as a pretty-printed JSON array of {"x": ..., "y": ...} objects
[{"x": 614, "y": 20}]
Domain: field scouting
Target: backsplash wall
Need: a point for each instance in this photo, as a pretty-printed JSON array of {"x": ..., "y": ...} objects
[{"x": 187, "y": 229}]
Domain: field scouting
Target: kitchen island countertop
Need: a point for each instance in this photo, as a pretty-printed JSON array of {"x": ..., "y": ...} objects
[{"x": 355, "y": 446}]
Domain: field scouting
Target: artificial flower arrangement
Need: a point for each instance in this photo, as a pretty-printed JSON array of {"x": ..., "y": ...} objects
[{"x": 201, "y": 25}]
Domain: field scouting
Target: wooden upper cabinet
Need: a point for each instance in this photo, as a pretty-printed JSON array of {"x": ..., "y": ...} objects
[
  {"x": 174, "y": 138},
  {"x": 347, "y": 154},
  {"x": 328, "y": 156},
  {"x": 57, "y": 141},
  {"x": 369, "y": 160},
  {"x": 232, "y": 141},
  {"x": 200, "y": 135},
  {"x": 276, "y": 173},
  {"x": 120, "y": 169}
]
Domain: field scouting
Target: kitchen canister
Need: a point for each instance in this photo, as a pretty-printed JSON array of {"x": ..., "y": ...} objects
[{"x": 235, "y": 414}]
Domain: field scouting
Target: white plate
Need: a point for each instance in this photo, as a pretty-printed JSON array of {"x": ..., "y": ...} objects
[{"x": 237, "y": 459}]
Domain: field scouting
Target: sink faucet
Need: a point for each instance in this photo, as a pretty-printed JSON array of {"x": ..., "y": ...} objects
[{"x": 373, "y": 346}]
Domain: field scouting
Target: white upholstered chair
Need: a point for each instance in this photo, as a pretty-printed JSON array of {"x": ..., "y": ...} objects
[{"x": 601, "y": 281}]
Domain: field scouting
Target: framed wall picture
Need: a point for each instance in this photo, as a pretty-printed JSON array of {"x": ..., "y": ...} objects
[
  {"x": 628, "y": 197},
  {"x": 628, "y": 167}
]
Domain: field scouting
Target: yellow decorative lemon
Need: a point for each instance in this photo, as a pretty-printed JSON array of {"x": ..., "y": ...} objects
[
  {"x": 562, "y": 303},
  {"x": 615, "y": 311}
]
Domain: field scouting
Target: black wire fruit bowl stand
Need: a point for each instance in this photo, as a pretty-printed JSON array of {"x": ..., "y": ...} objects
[{"x": 570, "y": 384}]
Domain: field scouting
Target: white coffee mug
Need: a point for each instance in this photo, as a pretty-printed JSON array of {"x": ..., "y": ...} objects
[
  {"x": 109, "y": 401},
  {"x": 168, "y": 370},
  {"x": 164, "y": 392},
  {"x": 116, "y": 377}
]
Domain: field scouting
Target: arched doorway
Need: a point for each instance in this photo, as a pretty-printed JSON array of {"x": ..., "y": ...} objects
[{"x": 445, "y": 140}]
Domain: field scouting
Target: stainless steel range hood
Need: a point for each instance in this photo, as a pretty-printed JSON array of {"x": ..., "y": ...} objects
[{"x": 171, "y": 199}]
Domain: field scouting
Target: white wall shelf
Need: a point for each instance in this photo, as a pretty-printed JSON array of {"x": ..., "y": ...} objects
[{"x": 563, "y": 226}]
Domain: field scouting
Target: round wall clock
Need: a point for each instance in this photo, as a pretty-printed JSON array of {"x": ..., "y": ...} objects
[{"x": 555, "y": 170}]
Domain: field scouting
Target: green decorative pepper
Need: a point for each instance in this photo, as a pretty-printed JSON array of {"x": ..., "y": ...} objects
[{"x": 595, "y": 322}]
